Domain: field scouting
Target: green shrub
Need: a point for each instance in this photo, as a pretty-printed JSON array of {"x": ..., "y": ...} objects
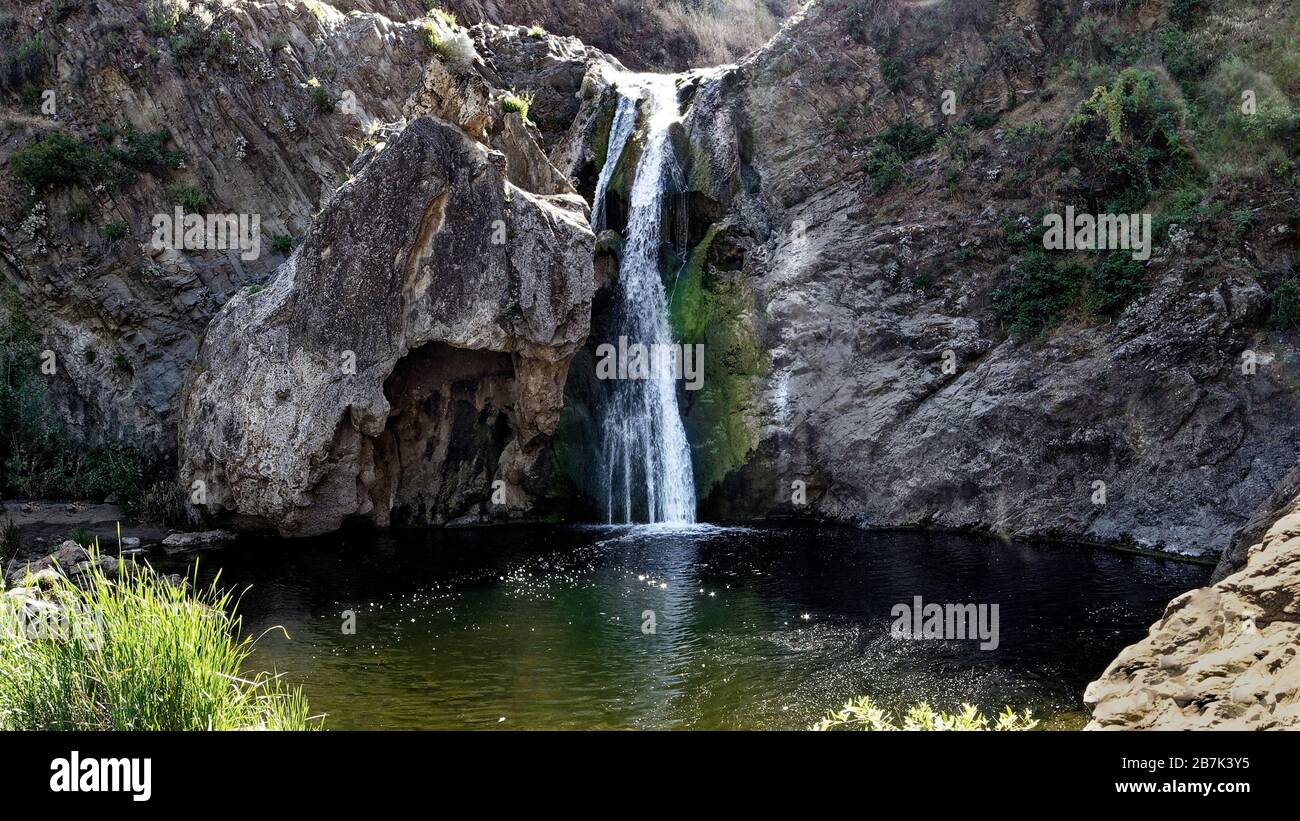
[
  {"x": 140, "y": 653},
  {"x": 282, "y": 243},
  {"x": 863, "y": 714},
  {"x": 79, "y": 211},
  {"x": 190, "y": 197},
  {"x": 36, "y": 457},
  {"x": 884, "y": 166},
  {"x": 1186, "y": 12},
  {"x": 1027, "y": 138},
  {"x": 517, "y": 103},
  {"x": 1182, "y": 54},
  {"x": 24, "y": 64},
  {"x": 148, "y": 151},
  {"x": 909, "y": 139},
  {"x": 115, "y": 230},
  {"x": 1038, "y": 293},
  {"x": 1125, "y": 139},
  {"x": 536, "y": 31},
  {"x": 894, "y": 73},
  {"x": 117, "y": 473},
  {"x": 1284, "y": 306},
  {"x": 434, "y": 39},
  {"x": 1114, "y": 283},
  {"x": 981, "y": 120},
  {"x": 320, "y": 96},
  {"x": 161, "y": 17},
  {"x": 53, "y": 160}
]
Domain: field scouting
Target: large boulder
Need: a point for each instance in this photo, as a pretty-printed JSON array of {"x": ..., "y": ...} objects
[
  {"x": 1221, "y": 657},
  {"x": 411, "y": 352}
]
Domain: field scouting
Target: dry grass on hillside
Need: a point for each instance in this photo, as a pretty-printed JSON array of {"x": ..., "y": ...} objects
[{"x": 726, "y": 30}]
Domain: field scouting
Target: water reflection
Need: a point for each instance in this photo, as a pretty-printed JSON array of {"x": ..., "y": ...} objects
[{"x": 753, "y": 627}]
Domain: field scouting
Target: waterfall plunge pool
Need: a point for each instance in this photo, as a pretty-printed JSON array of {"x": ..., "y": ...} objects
[{"x": 767, "y": 627}]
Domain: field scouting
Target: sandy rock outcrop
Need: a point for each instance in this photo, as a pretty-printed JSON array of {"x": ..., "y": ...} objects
[
  {"x": 1221, "y": 657},
  {"x": 411, "y": 351}
]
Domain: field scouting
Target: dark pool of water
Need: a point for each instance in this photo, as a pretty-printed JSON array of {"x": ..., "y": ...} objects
[{"x": 538, "y": 627}]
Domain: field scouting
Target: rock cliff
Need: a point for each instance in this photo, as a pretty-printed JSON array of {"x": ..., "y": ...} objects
[
  {"x": 411, "y": 351},
  {"x": 863, "y": 263}
]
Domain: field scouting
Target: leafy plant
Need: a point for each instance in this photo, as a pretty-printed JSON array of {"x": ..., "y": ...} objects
[
  {"x": 24, "y": 64},
  {"x": 1038, "y": 293},
  {"x": 161, "y": 17},
  {"x": 885, "y": 167},
  {"x": 1114, "y": 283},
  {"x": 148, "y": 151},
  {"x": 320, "y": 96},
  {"x": 863, "y": 714},
  {"x": 1284, "y": 306},
  {"x": 52, "y": 160},
  {"x": 115, "y": 230},
  {"x": 1126, "y": 140},
  {"x": 434, "y": 39},
  {"x": 191, "y": 197},
  {"x": 517, "y": 103}
]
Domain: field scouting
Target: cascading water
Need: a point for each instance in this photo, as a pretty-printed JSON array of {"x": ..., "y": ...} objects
[{"x": 643, "y": 449}]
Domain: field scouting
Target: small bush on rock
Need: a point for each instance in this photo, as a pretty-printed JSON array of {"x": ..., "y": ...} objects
[{"x": 1284, "y": 306}]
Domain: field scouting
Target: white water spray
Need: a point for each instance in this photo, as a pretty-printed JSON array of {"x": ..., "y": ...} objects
[{"x": 643, "y": 449}]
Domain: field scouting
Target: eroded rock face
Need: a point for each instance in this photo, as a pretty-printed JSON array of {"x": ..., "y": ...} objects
[
  {"x": 125, "y": 319},
  {"x": 844, "y": 302},
  {"x": 1221, "y": 657},
  {"x": 459, "y": 296}
]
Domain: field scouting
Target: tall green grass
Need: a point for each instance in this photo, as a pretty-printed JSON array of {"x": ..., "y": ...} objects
[{"x": 139, "y": 653}]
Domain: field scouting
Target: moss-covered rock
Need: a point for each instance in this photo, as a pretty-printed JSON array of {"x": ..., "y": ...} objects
[{"x": 715, "y": 308}]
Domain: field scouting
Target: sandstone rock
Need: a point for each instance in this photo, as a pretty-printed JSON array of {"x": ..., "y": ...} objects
[
  {"x": 402, "y": 358},
  {"x": 1221, "y": 657}
]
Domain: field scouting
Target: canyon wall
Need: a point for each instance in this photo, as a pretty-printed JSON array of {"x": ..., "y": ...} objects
[{"x": 887, "y": 343}]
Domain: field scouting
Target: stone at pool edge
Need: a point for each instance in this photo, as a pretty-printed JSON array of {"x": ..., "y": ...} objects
[{"x": 203, "y": 540}]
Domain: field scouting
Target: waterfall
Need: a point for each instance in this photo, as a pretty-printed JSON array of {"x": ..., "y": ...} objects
[
  {"x": 619, "y": 132},
  {"x": 644, "y": 455}
]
